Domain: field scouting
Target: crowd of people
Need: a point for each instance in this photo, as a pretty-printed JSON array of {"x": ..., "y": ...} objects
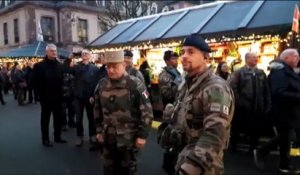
[{"x": 204, "y": 109}]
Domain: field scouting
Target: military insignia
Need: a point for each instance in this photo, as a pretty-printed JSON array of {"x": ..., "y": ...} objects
[
  {"x": 145, "y": 94},
  {"x": 112, "y": 98},
  {"x": 216, "y": 107},
  {"x": 225, "y": 110}
]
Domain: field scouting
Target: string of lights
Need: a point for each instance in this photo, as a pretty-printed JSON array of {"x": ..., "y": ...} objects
[{"x": 211, "y": 41}]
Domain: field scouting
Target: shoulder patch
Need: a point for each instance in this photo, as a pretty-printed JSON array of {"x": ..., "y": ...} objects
[
  {"x": 146, "y": 94},
  {"x": 164, "y": 77},
  {"x": 218, "y": 98},
  {"x": 216, "y": 107}
]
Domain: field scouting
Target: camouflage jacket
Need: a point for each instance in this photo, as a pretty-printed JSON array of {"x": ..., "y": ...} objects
[
  {"x": 251, "y": 90},
  {"x": 204, "y": 112},
  {"x": 169, "y": 80},
  {"x": 122, "y": 109},
  {"x": 136, "y": 73}
]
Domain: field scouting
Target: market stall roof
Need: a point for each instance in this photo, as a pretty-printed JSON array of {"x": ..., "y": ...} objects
[
  {"x": 36, "y": 49},
  {"x": 209, "y": 20}
]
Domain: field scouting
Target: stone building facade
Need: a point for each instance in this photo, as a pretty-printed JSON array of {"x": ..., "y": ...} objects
[{"x": 70, "y": 24}]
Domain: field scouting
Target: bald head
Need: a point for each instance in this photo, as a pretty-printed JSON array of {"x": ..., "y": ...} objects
[
  {"x": 290, "y": 57},
  {"x": 251, "y": 59}
]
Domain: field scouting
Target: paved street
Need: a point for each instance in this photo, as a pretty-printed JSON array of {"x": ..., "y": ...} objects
[{"x": 21, "y": 151}]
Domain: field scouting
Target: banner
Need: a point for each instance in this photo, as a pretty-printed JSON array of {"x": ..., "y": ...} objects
[
  {"x": 295, "y": 24},
  {"x": 39, "y": 34}
]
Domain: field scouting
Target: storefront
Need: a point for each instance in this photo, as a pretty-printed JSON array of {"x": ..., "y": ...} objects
[
  {"x": 231, "y": 28},
  {"x": 28, "y": 53},
  {"x": 229, "y": 35}
]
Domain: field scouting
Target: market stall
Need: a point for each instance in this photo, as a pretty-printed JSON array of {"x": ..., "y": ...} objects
[
  {"x": 230, "y": 35},
  {"x": 252, "y": 27},
  {"x": 32, "y": 52}
]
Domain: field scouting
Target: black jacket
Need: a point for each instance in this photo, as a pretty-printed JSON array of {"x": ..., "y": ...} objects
[
  {"x": 48, "y": 80},
  {"x": 285, "y": 92},
  {"x": 251, "y": 90},
  {"x": 86, "y": 79},
  {"x": 28, "y": 75}
]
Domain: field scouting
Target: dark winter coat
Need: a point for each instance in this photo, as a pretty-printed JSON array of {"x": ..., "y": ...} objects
[
  {"x": 251, "y": 90},
  {"x": 285, "y": 92},
  {"x": 48, "y": 80},
  {"x": 86, "y": 79}
]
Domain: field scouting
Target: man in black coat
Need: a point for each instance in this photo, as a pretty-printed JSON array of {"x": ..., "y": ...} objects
[
  {"x": 48, "y": 80},
  {"x": 86, "y": 77},
  {"x": 285, "y": 93}
]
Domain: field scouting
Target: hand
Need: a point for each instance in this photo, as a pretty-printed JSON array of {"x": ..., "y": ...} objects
[
  {"x": 99, "y": 138},
  {"x": 140, "y": 143},
  {"x": 92, "y": 100}
]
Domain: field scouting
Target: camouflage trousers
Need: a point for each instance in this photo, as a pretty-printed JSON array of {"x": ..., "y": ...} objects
[
  {"x": 193, "y": 167},
  {"x": 119, "y": 161}
]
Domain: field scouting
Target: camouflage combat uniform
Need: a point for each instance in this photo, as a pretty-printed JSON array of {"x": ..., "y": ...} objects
[
  {"x": 123, "y": 113},
  {"x": 203, "y": 112},
  {"x": 169, "y": 79},
  {"x": 134, "y": 72}
]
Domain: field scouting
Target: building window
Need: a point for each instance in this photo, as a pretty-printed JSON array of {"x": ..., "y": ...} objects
[
  {"x": 16, "y": 30},
  {"x": 5, "y": 33},
  {"x": 101, "y": 27},
  {"x": 47, "y": 24},
  {"x": 100, "y": 3},
  {"x": 82, "y": 31},
  {"x": 6, "y": 2},
  {"x": 153, "y": 8}
]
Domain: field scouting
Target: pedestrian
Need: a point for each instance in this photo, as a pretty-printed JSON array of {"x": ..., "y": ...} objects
[
  {"x": 145, "y": 70},
  {"x": 68, "y": 95},
  {"x": 253, "y": 102},
  {"x": 223, "y": 70},
  {"x": 285, "y": 94},
  {"x": 123, "y": 116},
  {"x": 4, "y": 73},
  {"x": 128, "y": 56},
  {"x": 12, "y": 78},
  {"x": 2, "y": 84},
  {"x": 28, "y": 77},
  {"x": 202, "y": 113},
  {"x": 20, "y": 84},
  {"x": 169, "y": 80},
  {"x": 48, "y": 80},
  {"x": 86, "y": 77},
  {"x": 102, "y": 69}
]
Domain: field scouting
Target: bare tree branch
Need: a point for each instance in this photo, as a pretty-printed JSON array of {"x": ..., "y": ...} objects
[{"x": 117, "y": 10}]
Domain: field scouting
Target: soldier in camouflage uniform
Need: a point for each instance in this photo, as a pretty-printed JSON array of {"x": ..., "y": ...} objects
[
  {"x": 169, "y": 78},
  {"x": 129, "y": 67},
  {"x": 203, "y": 113},
  {"x": 123, "y": 116}
]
